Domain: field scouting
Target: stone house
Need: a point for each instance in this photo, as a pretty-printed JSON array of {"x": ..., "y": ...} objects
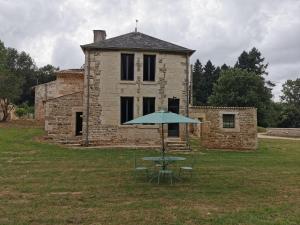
[{"x": 124, "y": 77}]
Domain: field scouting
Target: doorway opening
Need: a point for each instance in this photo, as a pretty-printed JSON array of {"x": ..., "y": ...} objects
[{"x": 173, "y": 106}]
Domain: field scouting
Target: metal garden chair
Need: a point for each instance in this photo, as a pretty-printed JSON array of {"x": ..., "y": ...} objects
[
  {"x": 138, "y": 168},
  {"x": 187, "y": 168}
]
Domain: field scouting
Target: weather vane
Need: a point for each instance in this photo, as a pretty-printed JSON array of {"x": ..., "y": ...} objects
[{"x": 136, "y": 23}]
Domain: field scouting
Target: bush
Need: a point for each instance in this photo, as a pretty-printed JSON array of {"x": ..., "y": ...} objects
[
  {"x": 261, "y": 130},
  {"x": 24, "y": 110}
]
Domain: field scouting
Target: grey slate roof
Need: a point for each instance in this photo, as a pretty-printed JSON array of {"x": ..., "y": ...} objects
[{"x": 137, "y": 41}]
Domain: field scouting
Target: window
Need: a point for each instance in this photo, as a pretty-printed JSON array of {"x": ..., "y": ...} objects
[
  {"x": 149, "y": 67},
  {"x": 126, "y": 109},
  {"x": 78, "y": 128},
  {"x": 127, "y": 66},
  {"x": 148, "y": 105},
  {"x": 228, "y": 120}
]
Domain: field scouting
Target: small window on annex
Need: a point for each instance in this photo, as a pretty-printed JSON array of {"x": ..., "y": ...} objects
[
  {"x": 228, "y": 120},
  {"x": 127, "y": 66},
  {"x": 149, "y": 68}
]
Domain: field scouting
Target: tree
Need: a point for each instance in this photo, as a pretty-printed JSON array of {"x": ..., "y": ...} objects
[
  {"x": 241, "y": 88},
  {"x": 45, "y": 74},
  {"x": 252, "y": 61},
  {"x": 290, "y": 115},
  {"x": 291, "y": 92},
  {"x": 224, "y": 67},
  {"x": 204, "y": 78},
  {"x": 9, "y": 85},
  {"x": 196, "y": 77},
  {"x": 18, "y": 74},
  {"x": 24, "y": 67}
]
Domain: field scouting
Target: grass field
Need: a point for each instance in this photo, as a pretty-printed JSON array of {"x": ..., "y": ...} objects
[{"x": 46, "y": 184}]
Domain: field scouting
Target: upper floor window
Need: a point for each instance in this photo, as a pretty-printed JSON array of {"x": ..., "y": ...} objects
[
  {"x": 228, "y": 121},
  {"x": 127, "y": 66},
  {"x": 149, "y": 67},
  {"x": 126, "y": 110},
  {"x": 148, "y": 105}
]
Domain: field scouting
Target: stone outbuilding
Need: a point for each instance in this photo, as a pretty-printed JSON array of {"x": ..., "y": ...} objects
[
  {"x": 225, "y": 127},
  {"x": 67, "y": 82}
]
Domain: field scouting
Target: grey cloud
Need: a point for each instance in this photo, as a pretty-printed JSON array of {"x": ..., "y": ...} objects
[
  {"x": 67, "y": 54},
  {"x": 52, "y": 31}
]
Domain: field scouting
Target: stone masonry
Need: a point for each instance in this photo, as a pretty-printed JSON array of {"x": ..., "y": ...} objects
[
  {"x": 103, "y": 70},
  {"x": 60, "y": 117},
  {"x": 212, "y": 134},
  {"x": 67, "y": 82}
]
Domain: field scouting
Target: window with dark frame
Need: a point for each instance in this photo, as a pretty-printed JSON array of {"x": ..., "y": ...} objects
[
  {"x": 127, "y": 66},
  {"x": 126, "y": 110},
  {"x": 149, "y": 68},
  {"x": 228, "y": 121},
  {"x": 148, "y": 105}
]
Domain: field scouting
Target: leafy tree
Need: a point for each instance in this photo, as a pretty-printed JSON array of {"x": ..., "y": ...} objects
[
  {"x": 46, "y": 74},
  {"x": 290, "y": 115},
  {"x": 10, "y": 85},
  {"x": 291, "y": 92},
  {"x": 23, "y": 66},
  {"x": 18, "y": 74},
  {"x": 239, "y": 87}
]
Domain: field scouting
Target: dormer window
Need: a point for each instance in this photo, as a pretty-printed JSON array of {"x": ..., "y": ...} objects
[
  {"x": 149, "y": 67},
  {"x": 127, "y": 66}
]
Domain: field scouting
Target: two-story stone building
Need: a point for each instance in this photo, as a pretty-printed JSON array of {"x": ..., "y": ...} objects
[{"x": 123, "y": 78}]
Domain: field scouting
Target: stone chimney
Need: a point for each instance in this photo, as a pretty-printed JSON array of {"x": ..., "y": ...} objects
[{"x": 99, "y": 35}]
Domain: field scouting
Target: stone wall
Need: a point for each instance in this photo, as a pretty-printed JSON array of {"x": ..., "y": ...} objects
[
  {"x": 106, "y": 88},
  {"x": 284, "y": 132},
  {"x": 212, "y": 134},
  {"x": 60, "y": 117},
  {"x": 67, "y": 82},
  {"x": 42, "y": 93}
]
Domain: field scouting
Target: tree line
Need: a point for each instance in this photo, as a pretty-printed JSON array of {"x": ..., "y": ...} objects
[
  {"x": 18, "y": 74},
  {"x": 245, "y": 85}
]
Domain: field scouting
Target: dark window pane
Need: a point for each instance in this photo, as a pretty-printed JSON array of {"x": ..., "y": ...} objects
[
  {"x": 228, "y": 120},
  {"x": 126, "y": 109},
  {"x": 148, "y": 105},
  {"x": 78, "y": 129},
  {"x": 127, "y": 67},
  {"x": 149, "y": 68}
]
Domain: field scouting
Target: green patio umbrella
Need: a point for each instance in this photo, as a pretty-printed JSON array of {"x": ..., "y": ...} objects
[{"x": 162, "y": 117}]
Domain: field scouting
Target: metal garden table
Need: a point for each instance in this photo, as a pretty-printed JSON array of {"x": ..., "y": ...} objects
[{"x": 164, "y": 161}]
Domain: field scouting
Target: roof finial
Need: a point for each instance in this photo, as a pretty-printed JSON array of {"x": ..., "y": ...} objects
[{"x": 136, "y": 23}]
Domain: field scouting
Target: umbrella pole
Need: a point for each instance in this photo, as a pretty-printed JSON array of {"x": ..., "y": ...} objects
[
  {"x": 163, "y": 145},
  {"x": 163, "y": 139}
]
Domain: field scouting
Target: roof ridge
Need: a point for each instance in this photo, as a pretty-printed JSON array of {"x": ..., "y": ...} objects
[{"x": 137, "y": 41}]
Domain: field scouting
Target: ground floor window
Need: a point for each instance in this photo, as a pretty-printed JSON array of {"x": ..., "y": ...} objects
[
  {"x": 78, "y": 128},
  {"x": 126, "y": 109},
  {"x": 228, "y": 120},
  {"x": 148, "y": 105}
]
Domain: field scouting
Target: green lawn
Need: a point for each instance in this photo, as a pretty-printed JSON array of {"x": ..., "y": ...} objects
[{"x": 47, "y": 184}]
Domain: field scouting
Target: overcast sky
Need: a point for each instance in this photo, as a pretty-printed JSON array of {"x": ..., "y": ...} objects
[{"x": 51, "y": 31}]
